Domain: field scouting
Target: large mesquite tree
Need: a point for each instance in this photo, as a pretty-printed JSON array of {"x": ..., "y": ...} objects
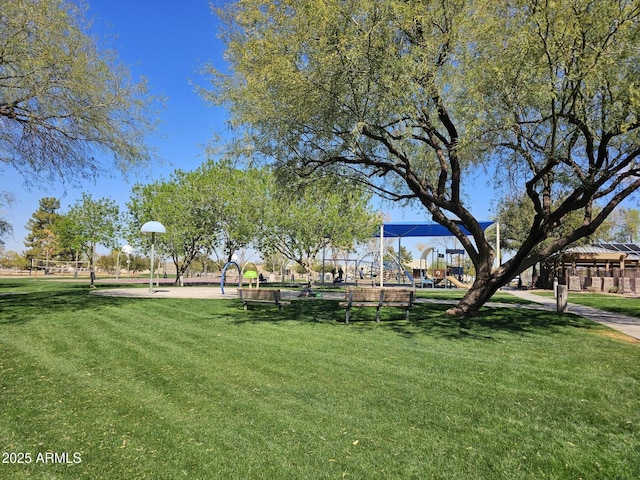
[
  {"x": 62, "y": 98},
  {"x": 413, "y": 98}
]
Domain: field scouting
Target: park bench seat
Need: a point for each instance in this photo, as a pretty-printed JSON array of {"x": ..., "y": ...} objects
[
  {"x": 379, "y": 298},
  {"x": 266, "y": 296}
]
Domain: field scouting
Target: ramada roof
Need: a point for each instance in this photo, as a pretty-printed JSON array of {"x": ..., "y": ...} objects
[{"x": 603, "y": 252}]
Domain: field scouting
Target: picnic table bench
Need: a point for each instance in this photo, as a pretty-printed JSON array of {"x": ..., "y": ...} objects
[
  {"x": 264, "y": 296},
  {"x": 379, "y": 298}
]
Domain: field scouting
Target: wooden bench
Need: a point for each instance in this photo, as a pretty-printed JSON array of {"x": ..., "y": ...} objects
[
  {"x": 264, "y": 296},
  {"x": 379, "y": 298}
]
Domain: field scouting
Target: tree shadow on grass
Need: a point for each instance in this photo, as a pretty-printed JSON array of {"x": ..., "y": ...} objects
[
  {"x": 488, "y": 324},
  {"x": 23, "y": 306},
  {"x": 304, "y": 310},
  {"x": 8, "y": 284},
  {"x": 424, "y": 319}
]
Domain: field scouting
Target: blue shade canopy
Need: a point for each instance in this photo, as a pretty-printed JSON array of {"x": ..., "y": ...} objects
[
  {"x": 422, "y": 229},
  {"x": 153, "y": 227}
]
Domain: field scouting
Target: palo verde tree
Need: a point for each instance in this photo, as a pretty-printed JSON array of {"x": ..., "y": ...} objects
[
  {"x": 415, "y": 98},
  {"x": 61, "y": 97}
]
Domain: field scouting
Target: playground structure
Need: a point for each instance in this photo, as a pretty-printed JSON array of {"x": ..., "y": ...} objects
[
  {"x": 445, "y": 275},
  {"x": 378, "y": 267},
  {"x": 248, "y": 271},
  {"x": 452, "y": 274},
  {"x": 393, "y": 270},
  {"x": 344, "y": 270},
  {"x": 224, "y": 271}
]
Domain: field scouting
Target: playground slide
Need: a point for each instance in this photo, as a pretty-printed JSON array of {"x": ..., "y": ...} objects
[
  {"x": 409, "y": 276},
  {"x": 457, "y": 282}
]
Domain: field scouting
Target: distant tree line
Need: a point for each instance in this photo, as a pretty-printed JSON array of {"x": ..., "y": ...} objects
[{"x": 210, "y": 215}]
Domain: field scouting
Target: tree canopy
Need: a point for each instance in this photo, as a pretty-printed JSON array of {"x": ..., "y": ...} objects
[
  {"x": 216, "y": 206},
  {"x": 303, "y": 218},
  {"x": 219, "y": 206},
  {"x": 88, "y": 223},
  {"x": 5, "y": 227},
  {"x": 181, "y": 204},
  {"x": 415, "y": 98},
  {"x": 61, "y": 97},
  {"x": 237, "y": 198},
  {"x": 626, "y": 225},
  {"x": 40, "y": 240}
]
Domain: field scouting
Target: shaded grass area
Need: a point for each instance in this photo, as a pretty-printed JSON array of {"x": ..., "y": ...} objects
[{"x": 155, "y": 388}]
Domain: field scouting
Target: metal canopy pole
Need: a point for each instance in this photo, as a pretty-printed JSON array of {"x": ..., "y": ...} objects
[{"x": 381, "y": 255}]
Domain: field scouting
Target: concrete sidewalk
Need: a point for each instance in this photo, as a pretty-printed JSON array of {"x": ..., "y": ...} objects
[
  {"x": 172, "y": 291},
  {"x": 209, "y": 292},
  {"x": 623, "y": 323}
]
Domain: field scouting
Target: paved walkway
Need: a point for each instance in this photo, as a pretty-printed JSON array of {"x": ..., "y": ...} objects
[
  {"x": 168, "y": 292},
  {"x": 623, "y": 323},
  {"x": 210, "y": 292}
]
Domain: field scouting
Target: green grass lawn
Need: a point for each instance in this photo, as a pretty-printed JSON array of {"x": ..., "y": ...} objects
[
  {"x": 457, "y": 294},
  {"x": 200, "y": 389},
  {"x": 611, "y": 303}
]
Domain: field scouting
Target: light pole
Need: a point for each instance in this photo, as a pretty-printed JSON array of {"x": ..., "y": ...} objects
[
  {"x": 118, "y": 266},
  {"x": 152, "y": 228}
]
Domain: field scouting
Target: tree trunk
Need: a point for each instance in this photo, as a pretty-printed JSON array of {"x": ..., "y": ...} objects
[
  {"x": 75, "y": 271},
  {"x": 176, "y": 263},
  {"x": 92, "y": 267},
  {"x": 480, "y": 292}
]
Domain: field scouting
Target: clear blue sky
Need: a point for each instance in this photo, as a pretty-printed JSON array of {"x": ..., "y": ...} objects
[{"x": 167, "y": 42}]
